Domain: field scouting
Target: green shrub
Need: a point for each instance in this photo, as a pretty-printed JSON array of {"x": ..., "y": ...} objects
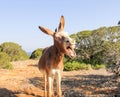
[
  {"x": 98, "y": 66},
  {"x": 75, "y": 65},
  {"x": 5, "y": 61},
  {"x": 69, "y": 66},
  {"x": 14, "y": 51},
  {"x": 36, "y": 54}
]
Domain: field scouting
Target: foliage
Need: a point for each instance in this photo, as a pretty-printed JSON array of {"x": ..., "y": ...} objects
[
  {"x": 5, "y": 61},
  {"x": 98, "y": 66},
  {"x": 36, "y": 54},
  {"x": 112, "y": 52},
  {"x": 118, "y": 23},
  {"x": 14, "y": 51},
  {"x": 100, "y": 46},
  {"x": 74, "y": 65},
  {"x": 115, "y": 68}
]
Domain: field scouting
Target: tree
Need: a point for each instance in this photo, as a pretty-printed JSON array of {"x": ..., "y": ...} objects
[
  {"x": 119, "y": 23},
  {"x": 5, "y": 61},
  {"x": 14, "y": 51},
  {"x": 36, "y": 54},
  {"x": 100, "y": 46}
]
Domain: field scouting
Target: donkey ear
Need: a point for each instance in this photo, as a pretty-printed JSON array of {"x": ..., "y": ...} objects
[
  {"x": 45, "y": 30},
  {"x": 61, "y": 25}
]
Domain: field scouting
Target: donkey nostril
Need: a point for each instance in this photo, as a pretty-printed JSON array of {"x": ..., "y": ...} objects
[{"x": 68, "y": 47}]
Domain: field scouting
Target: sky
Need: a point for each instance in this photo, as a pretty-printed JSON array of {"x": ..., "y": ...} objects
[{"x": 19, "y": 19}]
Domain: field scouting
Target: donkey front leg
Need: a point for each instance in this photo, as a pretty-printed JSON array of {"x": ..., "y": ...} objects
[
  {"x": 58, "y": 80},
  {"x": 50, "y": 86}
]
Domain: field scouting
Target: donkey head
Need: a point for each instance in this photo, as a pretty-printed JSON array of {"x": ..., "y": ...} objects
[{"x": 62, "y": 41}]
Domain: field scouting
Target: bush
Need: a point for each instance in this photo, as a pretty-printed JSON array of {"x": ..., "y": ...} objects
[
  {"x": 5, "y": 61},
  {"x": 36, "y": 54},
  {"x": 115, "y": 69},
  {"x": 75, "y": 65},
  {"x": 99, "y": 66},
  {"x": 14, "y": 51}
]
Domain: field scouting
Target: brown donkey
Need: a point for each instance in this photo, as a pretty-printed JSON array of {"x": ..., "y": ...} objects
[{"x": 51, "y": 61}]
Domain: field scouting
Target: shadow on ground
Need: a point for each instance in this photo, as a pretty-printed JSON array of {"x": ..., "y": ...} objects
[
  {"x": 6, "y": 93},
  {"x": 84, "y": 85},
  {"x": 91, "y": 85},
  {"x": 37, "y": 82}
]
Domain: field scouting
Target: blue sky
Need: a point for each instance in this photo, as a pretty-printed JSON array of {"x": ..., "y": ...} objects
[{"x": 19, "y": 19}]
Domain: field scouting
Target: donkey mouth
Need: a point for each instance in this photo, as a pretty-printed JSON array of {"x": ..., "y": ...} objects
[{"x": 70, "y": 52}]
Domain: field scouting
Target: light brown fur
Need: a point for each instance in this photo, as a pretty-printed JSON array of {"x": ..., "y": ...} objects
[{"x": 51, "y": 61}]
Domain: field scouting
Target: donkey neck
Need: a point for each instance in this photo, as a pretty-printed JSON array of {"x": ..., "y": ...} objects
[{"x": 58, "y": 51}]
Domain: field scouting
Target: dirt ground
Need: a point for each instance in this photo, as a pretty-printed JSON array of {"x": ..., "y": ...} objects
[{"x": 25, "y": 80}]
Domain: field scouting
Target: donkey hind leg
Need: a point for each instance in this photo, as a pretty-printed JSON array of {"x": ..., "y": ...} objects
[
  {"x": 45, "y": 85},
  {"x": 58, "y": 81},
  {"x": 50, "y": 86}
]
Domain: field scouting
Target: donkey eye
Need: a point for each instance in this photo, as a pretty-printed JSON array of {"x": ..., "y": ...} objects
[{"x": 67, "y": 41}]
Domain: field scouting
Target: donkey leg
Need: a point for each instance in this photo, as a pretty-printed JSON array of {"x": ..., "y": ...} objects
[
  {"x": 58, "y": 80},
  {"x": 50, "y": 86},
  {"x": 45, "y": 83}
]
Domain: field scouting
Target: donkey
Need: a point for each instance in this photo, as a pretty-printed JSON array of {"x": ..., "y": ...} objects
[{"x": 51, "y": 61}]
